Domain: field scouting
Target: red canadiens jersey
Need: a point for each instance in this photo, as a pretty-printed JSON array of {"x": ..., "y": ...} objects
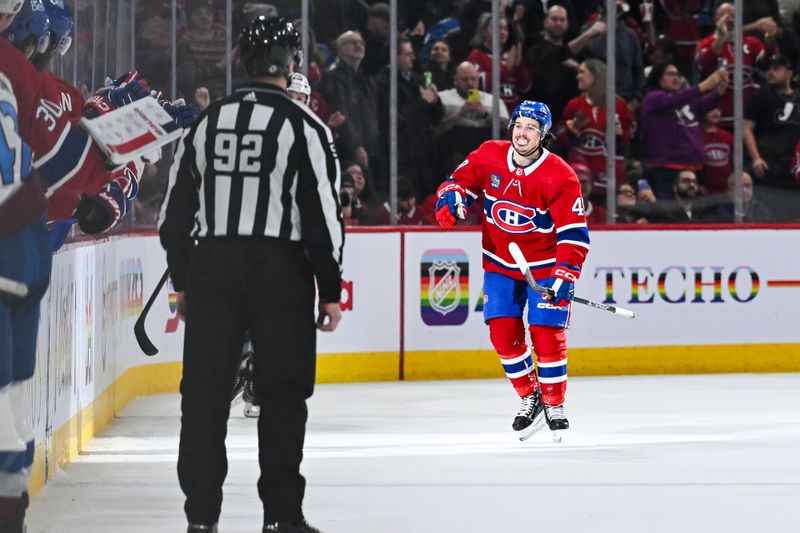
[
  {"x": 717, "y": 165},
  {"x": 590, "y": 144},
  {"x": 539, "y": 207},
  {"x": 62, "y": 200},
  {"x": 48, "y": 122},
  {"x": 753, "y": 53}
]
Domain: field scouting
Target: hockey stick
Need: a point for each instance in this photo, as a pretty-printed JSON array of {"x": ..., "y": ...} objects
[
  {"x": 144, "y": 341},
  {"x": 15, "y": 288},
  {"x": 522, "y": 264}
]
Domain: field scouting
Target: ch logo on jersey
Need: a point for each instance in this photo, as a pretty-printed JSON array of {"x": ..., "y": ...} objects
[
  {"x": 592, "y": 142},
  {"x": 716, "y": 155},
  {"x": 515, "y": 218}
]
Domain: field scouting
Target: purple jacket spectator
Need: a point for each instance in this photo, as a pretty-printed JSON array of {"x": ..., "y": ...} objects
[
  {"x": 670, "y": 126},
  {"x": 671, "y": 136}
]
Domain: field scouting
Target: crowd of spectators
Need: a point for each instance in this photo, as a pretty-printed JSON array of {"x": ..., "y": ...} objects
[{"x": 673, "y": 111}]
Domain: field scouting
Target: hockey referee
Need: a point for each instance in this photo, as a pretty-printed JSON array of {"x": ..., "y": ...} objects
[{"x": 251, "y": 218}]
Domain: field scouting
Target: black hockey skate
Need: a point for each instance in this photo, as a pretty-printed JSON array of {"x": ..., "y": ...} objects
[
  {"x": 286, "y": 527},
  {"x": 530, "y": 417},
  {"x": 556, "y": 420}
]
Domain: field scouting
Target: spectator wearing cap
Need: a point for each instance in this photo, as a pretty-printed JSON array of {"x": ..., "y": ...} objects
[
  {"x": 202, "y": 55},
  {"x": 772, "y": 125},
  {"x": 376, "y": 39}
]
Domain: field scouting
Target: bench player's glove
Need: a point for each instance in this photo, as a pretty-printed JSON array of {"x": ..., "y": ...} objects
[
  {"x": 183, "y": 114},
  {"x": 562, "y": 284},
  {"x": 451, "y": 204},
  {"x": 117, "y": 93}
]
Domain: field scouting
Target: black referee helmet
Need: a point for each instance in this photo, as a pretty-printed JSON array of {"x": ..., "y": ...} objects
[{"x": 267, "y": 45}]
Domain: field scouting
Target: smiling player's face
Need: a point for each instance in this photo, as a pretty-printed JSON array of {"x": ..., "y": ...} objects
[{"x": 526, "y": 136}]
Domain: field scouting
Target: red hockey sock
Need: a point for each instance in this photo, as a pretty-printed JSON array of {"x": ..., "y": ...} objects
[
  {"x": 508, "y": 338},
  {"x": 550, "y": 345}
]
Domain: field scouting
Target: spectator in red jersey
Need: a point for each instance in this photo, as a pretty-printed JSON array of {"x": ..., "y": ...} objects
[
  {"x": 717, "y": 150},
  {"x": 595, "y": 214},
  {"x": 515, "y": 80},
  {"x": 582, "y": 131},
  {"x": 717, "y": 50}
]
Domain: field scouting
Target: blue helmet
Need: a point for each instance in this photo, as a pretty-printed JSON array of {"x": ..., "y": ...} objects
[
  {"x": 538, "y": 111},
  {"x": 32, "y": 20},
  {"x": 61, "y": 22}
]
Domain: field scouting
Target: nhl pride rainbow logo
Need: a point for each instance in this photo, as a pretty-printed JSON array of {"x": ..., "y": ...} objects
[{"x": 444, "y": 287}]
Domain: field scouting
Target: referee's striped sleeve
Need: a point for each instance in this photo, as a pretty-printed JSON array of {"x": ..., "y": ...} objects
[
  {"x": 180, "y": 208},
  {"x": 320, "y": 212}
]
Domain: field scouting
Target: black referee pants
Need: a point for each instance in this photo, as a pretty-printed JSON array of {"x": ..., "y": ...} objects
[{"x": 266, "y": 287}]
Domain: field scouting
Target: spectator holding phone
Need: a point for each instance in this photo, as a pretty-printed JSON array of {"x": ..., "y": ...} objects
[
  {"x": 467, "y": 119},
  {"x": 670, "y": 124}
]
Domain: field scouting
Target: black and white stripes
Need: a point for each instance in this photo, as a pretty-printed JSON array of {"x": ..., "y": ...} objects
[{"x": 257, "y": 164}]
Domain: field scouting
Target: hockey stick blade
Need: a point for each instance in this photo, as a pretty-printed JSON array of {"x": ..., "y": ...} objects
[
  {"x": 142, "y": 339},
  {"x": 522, "y": 265}
]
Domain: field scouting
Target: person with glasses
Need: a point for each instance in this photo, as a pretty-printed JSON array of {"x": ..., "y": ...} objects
[
  {"x": 687, "y": 204},
  {"x": 671, "y": 136}
]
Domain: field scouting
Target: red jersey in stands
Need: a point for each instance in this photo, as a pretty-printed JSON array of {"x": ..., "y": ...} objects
[
  {"x": 717, "y": 166},
  {"x": 590, "y": 144},
  {"x": 753, "y": 53},
  {"x": 539, "y": 207}
]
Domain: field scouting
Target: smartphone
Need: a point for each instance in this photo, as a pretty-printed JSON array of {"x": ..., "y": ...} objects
[
  {"x": 643, "y": 185},
  {"x": 473, "y": 95},
  {"x": 427, "y": 79},
  {"x": 722, "y": 63}
]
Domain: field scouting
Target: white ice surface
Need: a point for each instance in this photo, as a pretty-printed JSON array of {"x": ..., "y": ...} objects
[{"x": 645, "y": 454}]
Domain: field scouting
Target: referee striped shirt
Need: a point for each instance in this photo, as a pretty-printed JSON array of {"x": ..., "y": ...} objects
[{"x": 256, "y": 164}]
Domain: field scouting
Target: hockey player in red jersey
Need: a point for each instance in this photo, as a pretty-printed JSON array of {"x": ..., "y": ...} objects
[
  {"x": 96, "y": 200},
  {"x": 531, "y": 197}
]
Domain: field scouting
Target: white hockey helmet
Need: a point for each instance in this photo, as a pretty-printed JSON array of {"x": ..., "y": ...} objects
[
  {"x": 10, "y": 7},
  {"x": 299, "y": 84}
]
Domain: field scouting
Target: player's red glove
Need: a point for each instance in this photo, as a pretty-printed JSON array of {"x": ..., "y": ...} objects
[
  {"x": 562, "y": 282},
  {"x": 451, "y": 204}
]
